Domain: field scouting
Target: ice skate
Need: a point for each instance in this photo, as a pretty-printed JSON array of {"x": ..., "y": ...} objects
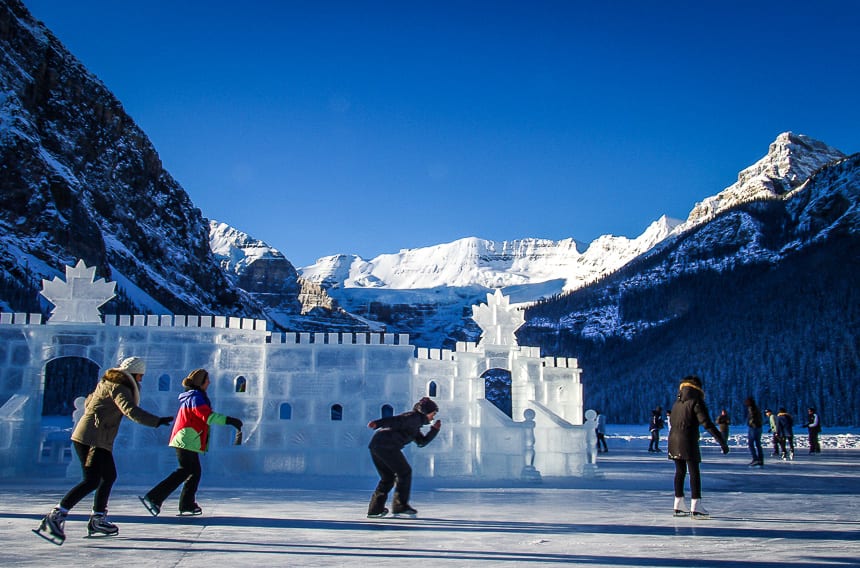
[
  {"x": 99, "y": 525},
  {"x": 405, "y": 511},
  {"x": 697, "y": 511},
  {"x": 153, "y": 508},
  {"x": 52, "y": 527},
  {"x": 680, "y": 508},
  {"x": 191, "y": 512},
  {"x": 378, "y": 515}
]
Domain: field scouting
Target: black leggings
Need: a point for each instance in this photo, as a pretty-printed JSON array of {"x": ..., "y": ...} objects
[
  {"x": 99, "y": 474},
  {"x": 681, "y": 467}
]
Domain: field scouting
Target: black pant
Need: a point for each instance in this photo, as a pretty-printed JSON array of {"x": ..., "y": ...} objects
[
  {"x": 601, "y": 441},
  {"x": 681, "y": 467},
  {"x": 814, "y": 445},
  {"x": 393, "y": 470},
  {"x": 655, "y": 441},
  {"x": 99, "y": 474},
  {"x": 189, "y": 473}
]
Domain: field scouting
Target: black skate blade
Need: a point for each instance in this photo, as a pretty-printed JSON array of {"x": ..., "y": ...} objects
[
  {"x": 100, "y": 534},
  {"x": 50, "y": 537},
  {"x": 146, "y": 505}
]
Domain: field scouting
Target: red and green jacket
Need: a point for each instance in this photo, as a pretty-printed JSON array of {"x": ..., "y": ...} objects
[{"x": 191, "y": 427}]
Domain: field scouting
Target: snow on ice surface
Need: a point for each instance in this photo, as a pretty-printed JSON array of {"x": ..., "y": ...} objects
[{"x": 801, "y": 513}]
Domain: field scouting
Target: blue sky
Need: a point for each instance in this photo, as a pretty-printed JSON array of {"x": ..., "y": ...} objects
[{"x": 364, "y": 127}]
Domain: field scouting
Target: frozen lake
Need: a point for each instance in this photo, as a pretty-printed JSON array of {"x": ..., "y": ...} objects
[{"x": 801, "y": 513}]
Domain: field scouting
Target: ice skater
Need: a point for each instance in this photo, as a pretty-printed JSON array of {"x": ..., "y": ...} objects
[
  {"x": 190, "y": 438},
  {"x": 654, "y": 427},
  {"x": 392, "y": 434},
  {"x": 785, "y": 433},
  {"x": 601, "y": 433},
  {"x": 116, "y": 395},
  {"x": 813, "y": 424},
  {"x": 688, "y": 413},
  {"x": 754, "y": 432}
]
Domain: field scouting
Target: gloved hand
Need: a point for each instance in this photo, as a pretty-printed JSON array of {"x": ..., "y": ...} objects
[
  {"x": 164, "y": 421},
  {"x": 234, "y": 422},
  {"x": 436, "y": 425}
]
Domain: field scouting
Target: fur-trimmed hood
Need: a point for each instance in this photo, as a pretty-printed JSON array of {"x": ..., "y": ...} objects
[{"x": 120, "y": 377}]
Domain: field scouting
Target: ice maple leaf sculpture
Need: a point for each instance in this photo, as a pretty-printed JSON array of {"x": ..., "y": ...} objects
[
  {"x": 498, "y": 320},
  {"x": 78, "y": 298}
]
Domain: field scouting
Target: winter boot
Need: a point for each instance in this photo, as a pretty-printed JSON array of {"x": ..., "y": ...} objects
[
  {"x": 681, "y": 508},
  {"x": 100, "y": 525},
  {"x": 697, "y": 511},
  {"x": 53, "y": 526}
]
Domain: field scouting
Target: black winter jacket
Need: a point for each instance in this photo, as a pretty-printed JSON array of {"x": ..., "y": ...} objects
[
  {"x": 395, "y": 432},
  {"x": 688, "y": 413}
]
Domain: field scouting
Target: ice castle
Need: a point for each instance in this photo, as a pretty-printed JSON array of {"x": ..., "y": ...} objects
[{"x": 305, "y": 399}]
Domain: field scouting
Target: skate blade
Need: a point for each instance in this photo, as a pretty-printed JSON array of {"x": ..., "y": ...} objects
[
  {"x": 189, "y": 514},
  {"x": 49, "y": 536},
  {"x": 404, "y": 515},
  {"x": 700, "y": 517},
  {"x": 100, "y": 534},
  {"x": 681, "y": 514},
  {"x": 146, "y": 505}
]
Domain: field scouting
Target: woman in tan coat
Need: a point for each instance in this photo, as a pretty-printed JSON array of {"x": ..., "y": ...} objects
[{"x": 116, "y": 395}]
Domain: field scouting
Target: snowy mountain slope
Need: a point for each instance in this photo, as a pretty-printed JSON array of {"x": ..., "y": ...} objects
[
  {"x": 81, "y": 180},
  {"x": 761, "y": 299}
]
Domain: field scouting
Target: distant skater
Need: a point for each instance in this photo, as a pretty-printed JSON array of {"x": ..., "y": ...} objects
[
  {"x": 654, "y": 427},
  {"x": 688, "y": 413},
  {"x": 754, "y": 432},
  {"x": 771, "y": 417},
  {"x": 785, "y": 433},
  {"x": 723, "y": 422},
  {"x": 601, "y": 433},
  {"x": 190, "y": 438},
  {"x": 392, "y": 434},
  {"x": 116, "y": 395},
  {"x": 813, "y": 424}
]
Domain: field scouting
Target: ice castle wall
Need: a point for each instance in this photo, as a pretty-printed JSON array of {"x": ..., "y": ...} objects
[{"x": 305, "y": 399}]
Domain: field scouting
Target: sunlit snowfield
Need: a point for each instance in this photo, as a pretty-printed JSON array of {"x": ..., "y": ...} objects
[{"x": 800, "y": 513}]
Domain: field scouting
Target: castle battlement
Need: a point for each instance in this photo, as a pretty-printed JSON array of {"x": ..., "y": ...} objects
[{"x": 305, "y": 398}]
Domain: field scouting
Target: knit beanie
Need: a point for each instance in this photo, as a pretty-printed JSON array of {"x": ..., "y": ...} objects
[
  {"x": 133, "y": 366},
  {"x": 195, "y": 379},
  {"x": 425, "y": 406}
]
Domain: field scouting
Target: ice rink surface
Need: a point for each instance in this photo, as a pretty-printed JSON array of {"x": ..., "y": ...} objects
[{"x": 800, "y": 513}]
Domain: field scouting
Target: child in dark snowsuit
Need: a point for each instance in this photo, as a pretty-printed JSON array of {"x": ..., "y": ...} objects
[{"x": 393, "y": 433}]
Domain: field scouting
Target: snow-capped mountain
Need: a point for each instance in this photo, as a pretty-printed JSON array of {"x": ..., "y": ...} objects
[
  {"x": 790, "y": 161},
  {"x": 490, "y": 264}
]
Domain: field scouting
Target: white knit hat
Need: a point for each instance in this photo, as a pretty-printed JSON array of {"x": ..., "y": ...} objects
[{"x": 133, "y": 366}]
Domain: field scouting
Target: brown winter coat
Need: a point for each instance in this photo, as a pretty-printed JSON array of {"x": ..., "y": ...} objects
[
  {"x": 688, "y": 413},
  {"x": 117, "y": 394}
]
